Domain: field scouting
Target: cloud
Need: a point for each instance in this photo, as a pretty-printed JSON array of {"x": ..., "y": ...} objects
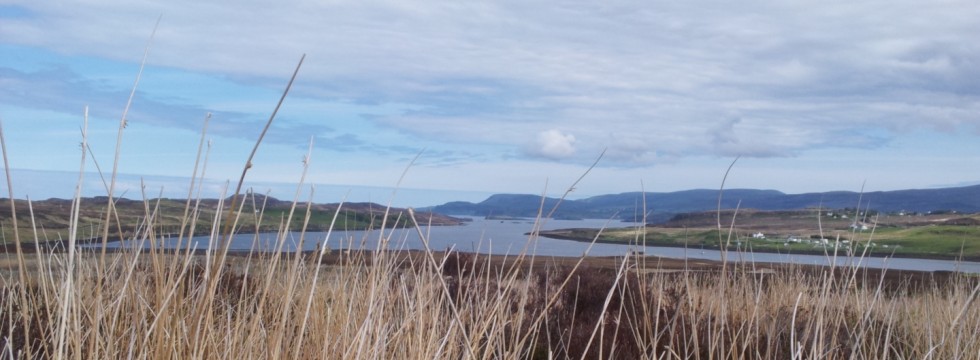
[
  {"x": 647, "y": 80},
  {"x": 13, "y": 11},
  {"x": 63, "y": 89},
  {"x": 552, "y": 144}
]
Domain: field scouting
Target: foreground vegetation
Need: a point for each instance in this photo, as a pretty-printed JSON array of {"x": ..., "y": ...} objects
[{"x": 371, "y": 305}]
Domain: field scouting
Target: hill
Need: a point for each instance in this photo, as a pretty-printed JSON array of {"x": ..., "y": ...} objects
[
  {"x": 51, "y": 216},
  {"x": 664, "y": 205}
]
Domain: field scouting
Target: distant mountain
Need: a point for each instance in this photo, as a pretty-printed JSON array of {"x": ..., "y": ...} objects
[{"x": 628, "y": 206}]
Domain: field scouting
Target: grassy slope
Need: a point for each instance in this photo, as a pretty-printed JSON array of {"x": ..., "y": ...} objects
[
  {"x": 934, "y": 239},
  {"x": 51, "y": 217},
  {"x": 899, "y": 237}
]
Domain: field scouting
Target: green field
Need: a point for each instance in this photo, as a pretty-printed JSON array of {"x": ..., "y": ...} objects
[
  {"x": 937, "y": 239},
  {"x": 946, "y": 241},
  {"x": 50, "y": 218}
]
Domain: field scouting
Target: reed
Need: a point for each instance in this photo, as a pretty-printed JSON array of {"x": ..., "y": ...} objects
[{"x": 381, "y": 303}]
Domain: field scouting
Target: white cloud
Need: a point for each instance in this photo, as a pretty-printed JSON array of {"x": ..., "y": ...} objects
[
  {"x": 648, "y": 80},
  {"x": 553, "y": 144}
]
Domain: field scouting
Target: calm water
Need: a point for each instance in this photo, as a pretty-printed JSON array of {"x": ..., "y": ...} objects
[{"x": 507, "y": 237}]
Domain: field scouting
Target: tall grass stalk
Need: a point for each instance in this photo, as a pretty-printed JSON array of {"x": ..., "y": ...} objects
[
  {"x": 69, "y": 273},
  {"x": 21, "y": 267},
  {"x": 190, "y": 189},
  {"x": 226, "y": 238},
  {"x": 367, "y": 304}
]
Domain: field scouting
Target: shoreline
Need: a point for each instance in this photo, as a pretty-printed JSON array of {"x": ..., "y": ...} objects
[
  {"x": 30, "y": 246},
  {"x": 798, "y": 252},
  {"x": 60, "y": 245},
  {"x": 668, "y": 266}
]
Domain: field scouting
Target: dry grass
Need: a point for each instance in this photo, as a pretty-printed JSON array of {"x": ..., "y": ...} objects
[{"x": 385, "y": 305}]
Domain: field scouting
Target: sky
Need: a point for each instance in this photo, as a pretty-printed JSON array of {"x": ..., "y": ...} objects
[{"x": 456, "y": 100}]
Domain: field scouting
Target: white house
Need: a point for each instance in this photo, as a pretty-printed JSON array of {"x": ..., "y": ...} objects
[{"x": 859, "y": 226}]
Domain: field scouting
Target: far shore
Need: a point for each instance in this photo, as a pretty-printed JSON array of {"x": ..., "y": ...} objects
[
  {"x": 553, "y": 234},
  {"x": 59, "y": 245}
]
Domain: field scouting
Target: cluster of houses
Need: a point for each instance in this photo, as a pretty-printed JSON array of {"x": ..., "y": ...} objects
[{"x": 816, "y": 242}]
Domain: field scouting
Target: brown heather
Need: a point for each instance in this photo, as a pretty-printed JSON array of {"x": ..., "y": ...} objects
[{"x": 387, "y": 304}]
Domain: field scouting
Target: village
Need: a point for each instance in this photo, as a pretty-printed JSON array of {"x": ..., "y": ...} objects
[{"x": 814, "y": 241}]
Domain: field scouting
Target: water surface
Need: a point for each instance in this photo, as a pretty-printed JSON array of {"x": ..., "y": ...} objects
[{"x": 508, "y": 237}]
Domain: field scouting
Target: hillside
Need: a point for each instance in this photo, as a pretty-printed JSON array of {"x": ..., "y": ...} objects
[
  {"x": 51, "y": 216},
  {"x": 663, "y": 205},
  {"x": 943, "y": 235}
]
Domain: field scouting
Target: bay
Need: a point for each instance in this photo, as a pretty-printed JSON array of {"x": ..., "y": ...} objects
[{"x": 508, "y": 237}]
